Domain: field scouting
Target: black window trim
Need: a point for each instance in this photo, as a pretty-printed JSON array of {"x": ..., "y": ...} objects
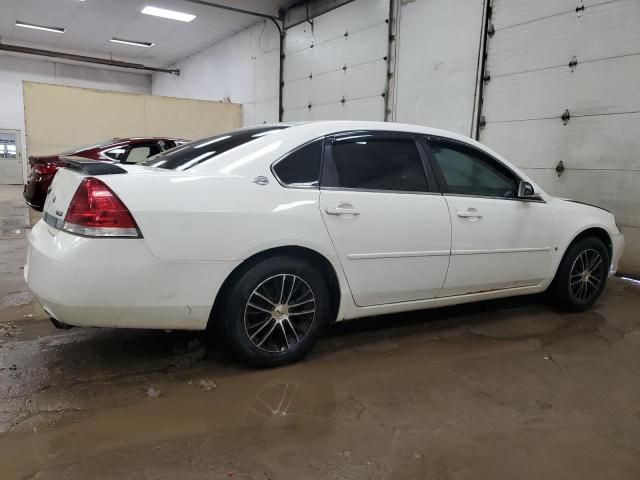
[
  {"x": 291, "y": 152},
  {"x": 432, "y": 186},
  {"x": 442, "y": 184}
]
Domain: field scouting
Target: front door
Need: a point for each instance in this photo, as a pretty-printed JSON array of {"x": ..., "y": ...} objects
[
  {"x": 10, "y": 158},
  {"x": 498, "y": 240},
  {"x": 391, "y": 232}
]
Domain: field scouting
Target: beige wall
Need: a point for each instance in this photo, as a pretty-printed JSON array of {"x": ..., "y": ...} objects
[{"x": 58, "y": 118}]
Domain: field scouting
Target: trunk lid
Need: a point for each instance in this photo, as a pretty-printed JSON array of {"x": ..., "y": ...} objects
[
  {"x": 66, "y": 182},
  {"x": 68, "y": 179},
  {"x": 60, "y": 193}
]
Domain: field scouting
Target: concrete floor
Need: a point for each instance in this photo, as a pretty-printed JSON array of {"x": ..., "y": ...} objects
[{"x": 500, "y": 390}]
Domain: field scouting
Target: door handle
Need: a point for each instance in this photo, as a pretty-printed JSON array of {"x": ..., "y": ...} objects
[
  {"x": 469, "y": 213},
  {"x": 342, "y": 209}
]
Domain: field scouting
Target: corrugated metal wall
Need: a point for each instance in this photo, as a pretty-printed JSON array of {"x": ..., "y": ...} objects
[
  {"x": 544, "y": 59},
  {"x": 549, "y": 57},
  {"x": 336, "y": 67},
  {"x": 437, "y": 63}
]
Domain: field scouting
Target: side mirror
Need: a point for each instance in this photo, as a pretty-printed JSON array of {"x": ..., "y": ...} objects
[{"x": 525, "y": 190}]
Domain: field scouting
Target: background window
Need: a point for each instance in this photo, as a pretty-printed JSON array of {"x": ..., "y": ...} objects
[
  {"x": 470, "y": 172},
  {"x": 375, "y": 164},
  {"x": 302, "y": 167}
]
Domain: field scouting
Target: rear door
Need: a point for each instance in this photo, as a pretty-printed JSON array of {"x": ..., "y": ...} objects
[{"x": 390, "y": 228}]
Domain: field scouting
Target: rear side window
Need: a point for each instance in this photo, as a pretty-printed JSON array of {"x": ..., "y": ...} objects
[
  {"x": 117, "y": 153},
  {"x": 470, "y": 172},
  {"x": 365, "y": 162},
  {"x": 194, "y": 153},
  {"x": 140, "y": 153},
  {"x": 301, "y": 168}
]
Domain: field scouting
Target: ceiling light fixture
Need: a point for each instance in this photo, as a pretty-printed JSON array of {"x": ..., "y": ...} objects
[
  {"x": 40, "y": 27},
  {"x": 171, "y": 14},
  {"x": 132, "y": 42}
]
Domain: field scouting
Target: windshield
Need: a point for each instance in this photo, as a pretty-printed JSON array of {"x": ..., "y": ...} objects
[{"x": 194, "y": 153}]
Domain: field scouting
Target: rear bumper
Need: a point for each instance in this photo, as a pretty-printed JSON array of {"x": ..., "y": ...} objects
[
  {"x": 111, "y": 282},
  {"x": 617, "y": 243}
]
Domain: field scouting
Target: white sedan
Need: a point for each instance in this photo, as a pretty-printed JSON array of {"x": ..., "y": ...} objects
[{"x": 276, "y": 231}]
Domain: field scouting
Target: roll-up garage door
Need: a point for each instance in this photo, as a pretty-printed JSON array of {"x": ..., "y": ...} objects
[
  {"x": 562, "y": 99},
  {"x": 336, "y": 67}
]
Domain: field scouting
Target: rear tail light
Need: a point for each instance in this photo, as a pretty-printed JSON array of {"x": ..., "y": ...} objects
[{"x": 95, "y": 211}]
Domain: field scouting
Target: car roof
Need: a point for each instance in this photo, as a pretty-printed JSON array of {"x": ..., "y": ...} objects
[
  {"x": 114, "y": 142},
  {"x": 135, "y": 140},
  {"x": 242, "y": 160},
  {"x": 283, "y": 140},
  {"x": 325, "y": 127}
]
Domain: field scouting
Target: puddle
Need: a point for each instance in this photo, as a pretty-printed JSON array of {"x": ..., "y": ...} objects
[
  {"x": 15, "y": 299},
  {"x": 390, "y": 397},
  {"x": 245, "y": 403},
  {"x": 15, "y": 226}
]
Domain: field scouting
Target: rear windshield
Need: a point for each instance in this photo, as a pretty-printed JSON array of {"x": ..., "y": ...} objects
[{"x": 191, "y": 154}]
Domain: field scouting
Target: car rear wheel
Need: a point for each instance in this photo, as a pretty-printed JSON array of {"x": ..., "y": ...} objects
[
  {"x": 582, "y": 275},
  {"x": 276, "y": 311}
]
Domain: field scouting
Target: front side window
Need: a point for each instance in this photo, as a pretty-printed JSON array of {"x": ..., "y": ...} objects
[
  {"x": 468, "y": 171},
  {"x": 301, "y": 168},
  {"x": 367, "y": 162}
]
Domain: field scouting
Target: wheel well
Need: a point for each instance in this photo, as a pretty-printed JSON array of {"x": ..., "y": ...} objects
[
  {"x": 304, "y": 253},
  {"x": 598, "y": 233}
]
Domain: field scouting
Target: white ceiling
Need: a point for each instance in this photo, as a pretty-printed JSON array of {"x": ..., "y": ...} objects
[{"x": 91, "y": 24}]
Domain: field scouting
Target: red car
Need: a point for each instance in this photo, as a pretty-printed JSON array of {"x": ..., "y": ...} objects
[{"x": 115, "y": 150}]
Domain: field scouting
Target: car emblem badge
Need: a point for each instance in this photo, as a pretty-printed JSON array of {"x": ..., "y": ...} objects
[
  {"x": 261, "y": 180},
  {"x": 59, "y": 213}
]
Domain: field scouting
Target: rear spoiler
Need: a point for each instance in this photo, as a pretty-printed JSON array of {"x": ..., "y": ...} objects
[{"x": 91, "y": 167}]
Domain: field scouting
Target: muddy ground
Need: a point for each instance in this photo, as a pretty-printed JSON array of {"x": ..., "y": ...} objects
[{"x": 497, "y": 390}]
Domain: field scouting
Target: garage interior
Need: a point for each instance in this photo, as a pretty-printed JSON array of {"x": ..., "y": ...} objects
[{"x": 500, "y": 389}]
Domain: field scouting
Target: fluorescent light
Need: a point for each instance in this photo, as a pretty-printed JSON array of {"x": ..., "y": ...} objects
[
  {"x": 171, "y": 14},
  {"x": 132, "y": 42},
  {"x": 40, "y": 27}
]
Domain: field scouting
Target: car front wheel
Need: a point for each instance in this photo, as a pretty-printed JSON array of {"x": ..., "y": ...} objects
[
  {"x": 582, "y": 275},
  {"x": 276, "y": 311}
]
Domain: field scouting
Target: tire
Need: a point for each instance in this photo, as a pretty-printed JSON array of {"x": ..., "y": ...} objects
[
  {"x": 276, "y": 311},
  {"x": 582, "y": 275}
]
